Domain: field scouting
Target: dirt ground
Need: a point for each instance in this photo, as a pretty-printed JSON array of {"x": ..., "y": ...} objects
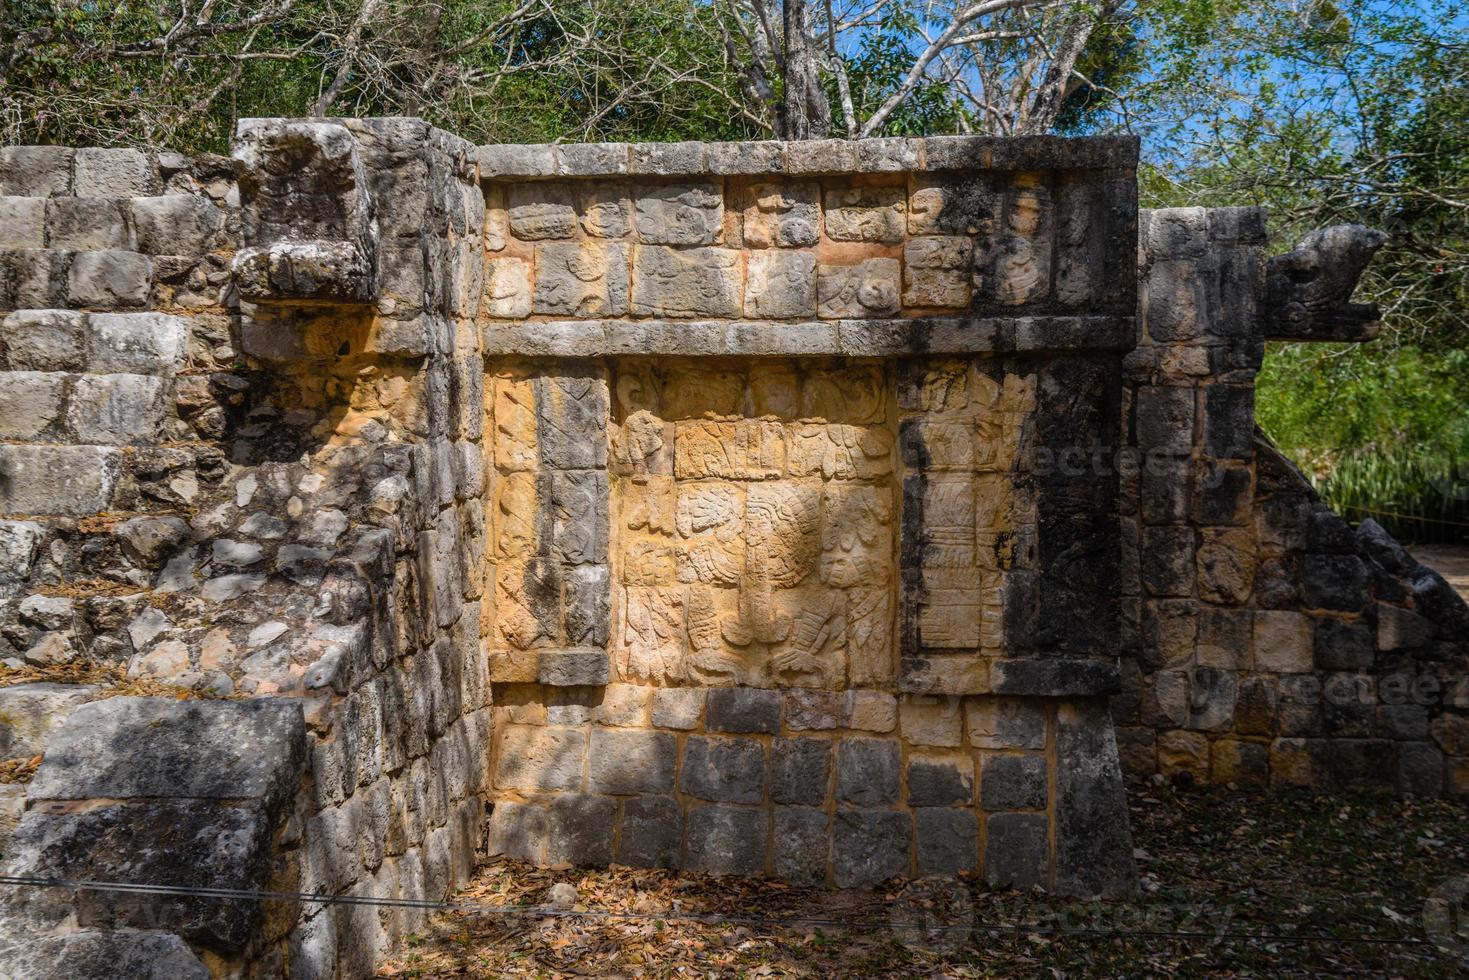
[
  {"x": 1376, "y": 884},
  {"x": 1450, "y": 561}
]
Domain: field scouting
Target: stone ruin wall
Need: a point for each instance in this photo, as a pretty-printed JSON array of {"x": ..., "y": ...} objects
[{"x": 615, "y": 502}]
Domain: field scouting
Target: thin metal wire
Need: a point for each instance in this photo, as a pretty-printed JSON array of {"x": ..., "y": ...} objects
[{"x": 559, "y": 912}]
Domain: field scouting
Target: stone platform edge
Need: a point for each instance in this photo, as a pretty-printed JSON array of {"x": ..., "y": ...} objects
[
  {"x": 811, "y": 338},
  {"x": 803, "y": 157}
]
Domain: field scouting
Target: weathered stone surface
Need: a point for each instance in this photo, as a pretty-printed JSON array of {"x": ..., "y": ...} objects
[
  {"x": 30, "y": 712},
  {"x": 743, "y": 709},
  {"x": 1016, "y": 850},
  {"x": 800, "y": 770},
  {"x": 581, "y": 279},
  {"x": 781, "y": 284},
  {"x": 1005, "y": 723},
  {"x": 866, "y": 214},
  {"x": 869, "y": 847},
  {"x": 30, "y": 403},
  {"x": 572, "y": 668},
  {"x": 869, "y": 288},
  {"x": 938, "y": 271},
  {"x": 216, "y": 750},
  {"x": 115, "y": 409},
  {"x": 725, "y": 840},
  {"x": 627, "y": 762},
  {"x": 140, "y": 841},
  {"x": 871, "y": 711},
  {"x": 947, "y": 840},
  {"x": 1093, "y": 842},
  {"x": 931, "y": 720},
  {"x": 36, "y": 171},
  {"x": 517, "y": 831},
  {"x": 941, "y": 781},
  {"x": 108, "y": 279},
  {"x": 725, "y": 770},
  {"x": 118, "y": 172},
  {"x": 677, "y": 708},
  {"x": 541, "y": 210},
  {"x": 868, "y": 771},
  {"x": 99, "y": 954},
  {"x": 1282, "y": 642},
  {"x": 781, "y": 215},
  {"x": 801, "y": 844},
  {"x": 579, "y": 829},
  {"x": 87, "y": 224},
  {"x": 652, "y": 830},
  {"x": 686, "y": 282},
  {"x": 678, "y": 214},
  {"x": 1013, "y": 782},
  {"x": 175, "y": 224},
  {"x": 139, "y": 343},
  {"x": 44, "y": 340},
  {"x": 507, "y": 292},
  {"x": 540, "y": 759}
]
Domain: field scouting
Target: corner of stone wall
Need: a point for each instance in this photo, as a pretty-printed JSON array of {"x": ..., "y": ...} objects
[
  {"x": 1269, "y": 642},
  {"x": 264, "y": 485}
]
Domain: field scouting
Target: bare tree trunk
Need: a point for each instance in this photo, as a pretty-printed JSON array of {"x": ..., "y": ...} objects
[{"x": 805, "y": 114}]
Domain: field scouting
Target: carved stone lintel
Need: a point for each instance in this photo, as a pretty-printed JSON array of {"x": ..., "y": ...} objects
[
  {"x": 308, "y": 225},
  {"x": 1309, "y": 290}
]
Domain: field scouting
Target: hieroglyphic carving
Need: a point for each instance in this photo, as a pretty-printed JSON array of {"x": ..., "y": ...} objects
[
  {"x": 527, "y": 603},
  {"x": 811, "y": 656},
  {"x": 870, "y": 635},
  {"x": 747, "y": 449},
  {"x": 515, "y": 424},
  {"x": 652, "y": 634},
  {"x": 856, "y": 395},
  {"x": 641, "y": 445},
  {"x": 856, "y": 536},
  {"x": 516, "y": 515},
  {"x": 708, "y": 520}
]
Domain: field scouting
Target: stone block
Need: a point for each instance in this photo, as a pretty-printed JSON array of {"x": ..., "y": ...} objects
[
  {"x": 866, "y": 214},
  {"x": 941, "y": 780},
  {"x": 579, "y": 829},
  {"x": 507, "y": 293},
  {"x": 571, "y": 415},
  {"x": 30, "y": 403},
  {"x": 801, "y": 845},
  {"x": 1298, "y": 762},
  {"x": 1451, "y": 733},
  {"x": 1225, "y": 638},
  {"x": 1013, "y": 782},
  {"x": 871, "y": 711},
  {"x": 800, "y": 770},
  {"x": 814, "y": 710},
  {"x": 30, "y": 712},
  {"x": 678, "y": 707},
  {"x": 628, "y": 762},
  {"x": 669, "y": 159},
  {"x": 119, "y": 172},
  {"x": 1340, "y": 583},
  {"x": 517, "y": 831},
  {"x": 652, "y": 830},
  {"x": 888, "y": 154},
  {"x": 868, "y": 771},
  {"x": 540, "y": 759},
  {"x": 743, "y": 709},
  {"x": 781, "y": 216},
  {"x": 35, "y": 171},
  {"x": 605, "y": 210},
  {"x": 869, "y": 288},
  {"x": 869, "y": 847},
  {"x": 579, "y": 517},
  {"x": 1240, "y": 763},
  {"x": 1005, "y": 723},
  {"x": 1420, "y": 769},
  {"x": 22, "y": 222},
  {"x": 97, "y": 954},
  {"x": 1093, "y": 841},
  {"x": 43, "y": 340},
  {"x": 966, "y": 205},
  {"x": 1165, "y": 420},
  {"x": 33, "y": 278},
  {"x": 1407, "y": 722},
  {"x": 1226, "y": 564},
  {"x": 87, "y": 224},
  {"x": 591, "y": 159},
  {"x": 1017, "y": 850},
  {"x": 573, "y": 668},
  {"x": 1401, "y": 629},
  {"x": 780, "y": 284},
  {"x": 71, "y": 480},
  {"x": 136, "y": 343},
  {"x": 540, "y": 210},
  {"x": 176, "y": 224},
  {"x": 1168, "y": 561},
  {"x": 588, "y": 611},
  {"x": 116, "y": 409},
  {"x": 1184, "y": 752},
  {"x": 516, "y": 160},
  {"x": 744, "y": 158},
  {"x": 581, "y": 279},
  {"x": 686, "y": 282},
  {"x": 623, "y": 706},
  {"x": 1229, "y": 422},
  {"x": 947, "y": 840},
  {"x": 724, "y": 770},
  {"x": 938, "y": 271},
  {"x": 678, "y": 214},
  {"x": 1283, "y": 642},
  {"x": 931, "y": 720},
  {"x": 726, "y": 840},
  {"x": 108, "y": 279}
]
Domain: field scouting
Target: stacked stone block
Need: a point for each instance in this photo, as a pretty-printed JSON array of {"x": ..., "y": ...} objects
[{"x": 1274, "y": 643}]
